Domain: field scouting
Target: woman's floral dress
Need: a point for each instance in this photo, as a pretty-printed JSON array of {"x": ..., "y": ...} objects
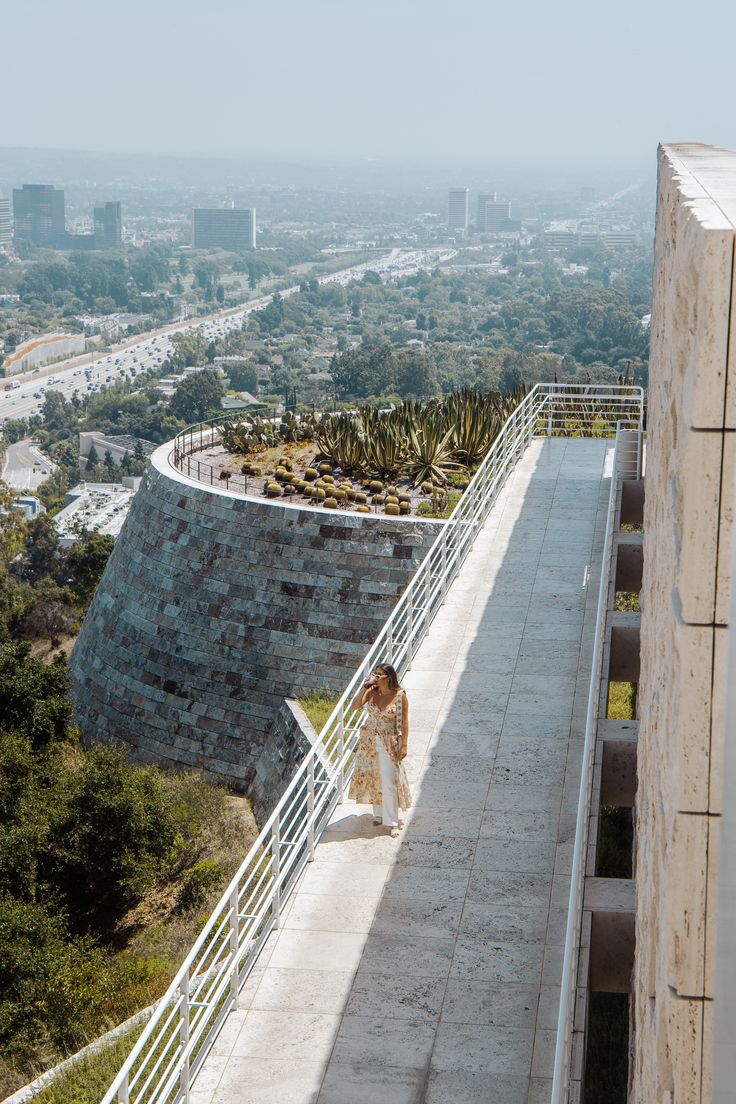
[{"x": 384, "y": 725}]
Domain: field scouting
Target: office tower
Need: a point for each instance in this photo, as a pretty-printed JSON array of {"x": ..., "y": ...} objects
[
  {"x": 483, "y": 199},
  {"x": 224, "y": 228},
  {"x": 6, "y": 226},
  {"x": 458, "y": 208},
  {"x": 108, "y": 225},
  {"x": 38, "y": 213},
  {"x": 498, "y": 213}
]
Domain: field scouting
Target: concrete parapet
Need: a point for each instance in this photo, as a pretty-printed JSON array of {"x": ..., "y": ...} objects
[{"x": 214, "y": 607}]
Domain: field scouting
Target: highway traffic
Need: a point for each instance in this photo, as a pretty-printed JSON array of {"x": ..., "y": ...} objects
[{"x": 85, "y": 375}]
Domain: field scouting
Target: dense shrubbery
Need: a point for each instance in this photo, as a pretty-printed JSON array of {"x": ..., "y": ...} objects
[{"x": 87, "y": 840}]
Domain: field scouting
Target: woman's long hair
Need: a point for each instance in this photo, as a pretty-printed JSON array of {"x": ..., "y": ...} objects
[{"x": 393, "y": 678}]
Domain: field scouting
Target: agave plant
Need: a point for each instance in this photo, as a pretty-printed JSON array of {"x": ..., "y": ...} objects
[
  {"x": 349, "y": 452},
  {"x": 385, "y": 450},
  {"x": 430, "y": 449},
  {"x": 326, "y": 437},
  {"x": 474, "y": 424}
]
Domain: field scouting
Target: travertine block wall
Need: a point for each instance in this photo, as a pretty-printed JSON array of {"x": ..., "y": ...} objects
[
  {"x": 688, "y": 521},
  {"x": 213, "y": 608}
]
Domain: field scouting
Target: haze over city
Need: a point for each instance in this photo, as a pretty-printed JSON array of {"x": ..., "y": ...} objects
[{"x": 391, "y": 78}]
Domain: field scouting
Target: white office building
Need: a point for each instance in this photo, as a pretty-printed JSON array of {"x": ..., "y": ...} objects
[
  {"x": 458, "y": 208},
  {"x": 6, "y": 225}
]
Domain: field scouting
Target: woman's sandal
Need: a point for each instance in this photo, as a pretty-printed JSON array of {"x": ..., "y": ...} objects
[{"x": 394, "y": 833}]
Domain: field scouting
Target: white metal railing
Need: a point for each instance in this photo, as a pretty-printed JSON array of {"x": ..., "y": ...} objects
[
  {"x": 164, "y": 1061},
  {"x": 626, "y": 465}
]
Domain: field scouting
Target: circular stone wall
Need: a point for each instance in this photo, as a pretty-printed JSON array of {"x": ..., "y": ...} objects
[{"x": 214, "y": 607}]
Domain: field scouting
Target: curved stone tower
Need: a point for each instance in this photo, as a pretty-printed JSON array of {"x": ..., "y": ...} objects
[{"x": 215, "y": 606}]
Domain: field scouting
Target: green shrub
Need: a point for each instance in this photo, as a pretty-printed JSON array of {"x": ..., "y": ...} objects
[
  {"x": 114, "y": 833},
  {"x": 33, "y": 695},
  {"x": 198, "y": 884},
  {"x": 53, "y": 985}
]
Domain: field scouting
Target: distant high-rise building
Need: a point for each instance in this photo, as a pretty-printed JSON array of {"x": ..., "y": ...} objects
[
  {"x": 483, "y": 199},
  {"x": 458, "y": 208},
  {"x": 38, "y": 213},
  {"x": 224, "y": 228},
  {"x": 6, "y": 226},
  {"x": 108, "y": 224},
  {"x": 498, "y": 213}
]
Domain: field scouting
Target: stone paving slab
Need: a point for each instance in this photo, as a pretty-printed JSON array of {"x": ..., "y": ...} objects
[{"x": 427, "y": 969}]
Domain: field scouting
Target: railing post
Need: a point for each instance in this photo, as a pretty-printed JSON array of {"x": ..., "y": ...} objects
[
  {"x": 549, "y": 416},
  {"x": 410, "y": 627},
  {"x": 123, "y": 1095},
  {"x": 184, "y": 1036},
  {"x": 276, "y": 869},
  {"x": 310, "y": 808},
  {"x": 390, "y": 642},
  {"x": 341, "y": 755},
  {"x": 234, "y": 934},
  {"x": 444, "y": 568}
]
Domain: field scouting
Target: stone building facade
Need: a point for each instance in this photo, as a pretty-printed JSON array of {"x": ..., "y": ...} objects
[
  {"x": 215, "y": 607},
  {"x": 688, "y": 522}
]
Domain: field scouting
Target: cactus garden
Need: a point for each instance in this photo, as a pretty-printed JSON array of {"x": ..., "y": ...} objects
[{"x": 415, "y": 459}]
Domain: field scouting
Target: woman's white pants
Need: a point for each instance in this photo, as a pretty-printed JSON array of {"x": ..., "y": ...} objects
[{"x": 389, "y": 810}]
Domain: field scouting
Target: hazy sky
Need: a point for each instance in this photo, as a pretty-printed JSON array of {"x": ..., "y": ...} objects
[{"x": 576, "y": 79}]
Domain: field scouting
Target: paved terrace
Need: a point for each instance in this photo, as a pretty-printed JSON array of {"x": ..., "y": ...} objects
[{"x": 427, "y": 969}]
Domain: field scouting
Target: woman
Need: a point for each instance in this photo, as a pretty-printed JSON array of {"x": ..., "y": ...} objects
[{"x": 379, "y": 777}]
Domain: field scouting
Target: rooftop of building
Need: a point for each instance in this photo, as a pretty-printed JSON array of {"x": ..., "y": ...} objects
[{"x": 99, "y": 507}]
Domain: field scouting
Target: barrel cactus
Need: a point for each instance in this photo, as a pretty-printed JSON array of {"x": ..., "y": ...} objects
[
  {"x": 361, "y": 498},
  {"x": 311, "y": 474},
  {"x": 392, "y": 508},
  {"x": 330, "y": 503},
  {"x": 376, "y": 486},
  {"x": 404, "y": 507},
  {"x": 273, "y": 490},
  {"x": 324, "y": 468},
  {"x": 362, "y": 509},
  {"x": 377, "y": 500}
]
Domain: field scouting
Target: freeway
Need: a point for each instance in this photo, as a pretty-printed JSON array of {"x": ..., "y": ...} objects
[
  {"x": 88, "y": 374},
  {"x": 25, "y": 467}
]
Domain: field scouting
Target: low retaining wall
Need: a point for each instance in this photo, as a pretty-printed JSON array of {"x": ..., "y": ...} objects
[{"x": 215, "y": 607}]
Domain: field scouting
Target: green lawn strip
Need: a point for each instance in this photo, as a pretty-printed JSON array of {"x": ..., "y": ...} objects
[
  {"x": 622, "y": 701},
  {"x": 88, "y": 1079}
]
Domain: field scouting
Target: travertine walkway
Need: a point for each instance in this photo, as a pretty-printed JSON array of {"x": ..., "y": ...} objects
[{"x": 428, "y": 968}]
